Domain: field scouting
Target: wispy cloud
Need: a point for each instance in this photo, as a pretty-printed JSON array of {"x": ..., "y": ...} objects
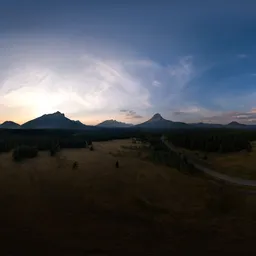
[
  {"x": 71, "y": 82},
  {"x": 183, "y": 71},
  {"x": 244, "y": 100},
  {"x": 242, "y": 56},
  {"x": 130, "y": 114},
  {"x": 86, "y": 83},
  {"x": 185, "y": 111},
  {"x": 192, "y": 113},
  {"x": 82, "y": 81},
  {"x": 227, "y": 117},
  {"x": 199, "y": 114},
  {"x": 156, "y": 83}
]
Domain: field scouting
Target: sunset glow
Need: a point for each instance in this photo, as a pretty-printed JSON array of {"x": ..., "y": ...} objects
[{"x": 92, "y": 72}]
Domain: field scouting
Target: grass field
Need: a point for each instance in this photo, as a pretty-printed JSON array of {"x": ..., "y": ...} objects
[
  {"x": 240, "y": 164},
  {"x": 97, "y": 209}
]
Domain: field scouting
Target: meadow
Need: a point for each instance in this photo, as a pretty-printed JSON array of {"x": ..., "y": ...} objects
[
  {"x": 49, "y": 208},
  {"x": 240, "y": 164},
  {"x": 236, "y": 164}
]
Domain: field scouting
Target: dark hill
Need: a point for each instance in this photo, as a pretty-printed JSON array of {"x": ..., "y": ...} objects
[
  {"x": 9, "y": 125},
  {"x": 56, "y": 120}
]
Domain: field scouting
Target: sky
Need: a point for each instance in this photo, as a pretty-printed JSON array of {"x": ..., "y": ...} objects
[{"x": 191, "y": 61}]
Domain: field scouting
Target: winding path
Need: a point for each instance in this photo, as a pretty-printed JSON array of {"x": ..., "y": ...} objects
[{"x": 214, "y": 174}]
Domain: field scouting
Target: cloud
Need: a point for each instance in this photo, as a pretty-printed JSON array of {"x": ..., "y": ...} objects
[
  {"x": 244, "y": 100},
  {"x": 183, "y": 71},
  {"x": 200, "y": 114},
  {"x": 246, "y": 118},
  {"x": 156, "y": 83},
  {"x": 44, "y": 79},
  {"x": 227, "y": 117},
  {"x": 130, "y": 114},
  {"x": 192, "y": 113},
  {"x": 242, "y": 56},
  {"x": 189, "y": 110},
  {"x": 84, "y": 80},
  {"x": 143, "y": 63}
]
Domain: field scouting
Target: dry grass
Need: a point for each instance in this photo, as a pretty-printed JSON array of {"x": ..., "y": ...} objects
[
  {"x": 99, "y": 210},
  {"x": 241, "y": 164}
]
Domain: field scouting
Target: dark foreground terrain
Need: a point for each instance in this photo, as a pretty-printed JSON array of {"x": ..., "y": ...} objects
[
  {"x": 142, "y": 208},
  {"x": 147, "y": 206}
]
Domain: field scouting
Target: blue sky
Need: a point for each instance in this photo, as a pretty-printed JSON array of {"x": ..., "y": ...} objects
[{"x": 191, "y": 61}]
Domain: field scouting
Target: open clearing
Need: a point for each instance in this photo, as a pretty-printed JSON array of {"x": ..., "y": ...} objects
[
  {"x": 97, "y": 209},
  {"x": 240, "y": 164}
]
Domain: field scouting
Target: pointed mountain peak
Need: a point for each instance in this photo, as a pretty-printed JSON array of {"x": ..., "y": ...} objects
[
  {"x": 9, "y": 125},
  {"x": 55, "y": 120},
  {"x": 156, "y": 117},
  {"x": 58, "y": 113},
  {"x": 9, "y": 122},
  {"x": 236, "y": 123},
  {"x": 55, "y": 114}
]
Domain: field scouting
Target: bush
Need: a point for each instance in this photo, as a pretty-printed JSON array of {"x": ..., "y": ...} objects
[
  {"x": 55, "y": 147},
  {"x": 23, "y": 152},
  {"x": 249, "y": 147},
  {"x": 52, "y": 152}
]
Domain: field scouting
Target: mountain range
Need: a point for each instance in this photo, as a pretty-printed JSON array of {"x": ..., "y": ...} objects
[
  {"x": 53, "y": 121},
  {"x": 157, "y": 121},
  {"x": 113, "y": 124},
  {"x": 9, "y": 125},
  {"x": 58, "y": 120}
]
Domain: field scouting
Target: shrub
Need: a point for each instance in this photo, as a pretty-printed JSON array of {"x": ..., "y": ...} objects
[
  {"x": 249, "y": 147},
  {"x": 22, "y": 152},
  {"x": 54, "y": 149},
  {"x": 53, "y": 152},
  {"x": 75, "y": 165}
]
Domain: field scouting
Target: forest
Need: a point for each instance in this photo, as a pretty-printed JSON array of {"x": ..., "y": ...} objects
[
  {"x": 208, "y": 140},
  {"x": 213, "y": 140},
  {"x": 45, "y": 138}
]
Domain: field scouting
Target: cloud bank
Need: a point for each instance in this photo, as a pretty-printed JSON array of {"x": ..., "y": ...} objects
[
  {"x": 93, "y": 82},
  {"x": 43, "y": 76}
]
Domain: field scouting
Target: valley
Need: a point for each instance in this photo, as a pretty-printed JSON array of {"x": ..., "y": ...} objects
[{"x": 98, "y": 209}]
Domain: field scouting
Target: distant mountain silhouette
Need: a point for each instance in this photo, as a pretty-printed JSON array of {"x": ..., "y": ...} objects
[
  {"x": 113, "y": 124},
  {"x": 56, "y": 120},
  {"x": 9, "y": 125},
  {"x": 236, "y": 125},
  {"x": 206, "y": 125},
  {"x": 232, "y": 125},
  {"x": 158, "y": 122}
]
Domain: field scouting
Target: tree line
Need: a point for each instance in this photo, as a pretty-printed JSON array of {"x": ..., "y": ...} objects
[{"x": 213, "y": 140}]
